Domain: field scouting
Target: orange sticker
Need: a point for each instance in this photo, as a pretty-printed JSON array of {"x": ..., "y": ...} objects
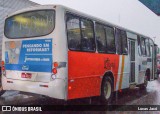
[{"x": 12, "y": 45}]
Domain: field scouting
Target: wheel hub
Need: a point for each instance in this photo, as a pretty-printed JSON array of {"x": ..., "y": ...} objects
[{"x": 107, "y": 90}]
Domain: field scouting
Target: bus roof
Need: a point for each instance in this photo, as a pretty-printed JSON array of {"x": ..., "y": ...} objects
[
  {"x": 101, "y": 20},
  {"x": 77, "y": 13}
]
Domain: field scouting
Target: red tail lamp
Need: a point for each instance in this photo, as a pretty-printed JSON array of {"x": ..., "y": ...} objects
[
  {"x": 2, "y": 63},
  {"x": 3, "y": 68},
  {"x": 55, "y": 64},
  {"x": 54, "y": 70},
  {"x": 69, "y": 87}
]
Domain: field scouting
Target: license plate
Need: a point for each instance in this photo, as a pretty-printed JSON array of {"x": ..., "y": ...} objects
[{"x": 26, "y": 75}]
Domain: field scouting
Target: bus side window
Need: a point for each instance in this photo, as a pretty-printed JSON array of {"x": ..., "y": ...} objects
[
  {"x": 118, "y": 41},
  {"x": 124, "y": 42},
  {"x": 121, "y": 42},
  {"x": 151, "y": 47},
  {"x": 147, "y": 47},
  {"x": 73, "y": 32},
  {"x": 100, "y": 38},
  {"x": 110, "y": 40},
  {"x": 139, "y": 45},
  {"x": 143, "y": 46},
  {"x": 88, "y": 41}
]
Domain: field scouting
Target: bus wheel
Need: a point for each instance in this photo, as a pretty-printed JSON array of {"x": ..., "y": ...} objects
[
  {"x": 106, "y": 90},
  {"x": 144, "y": 85},
  {"x": 1, "y": 91}
]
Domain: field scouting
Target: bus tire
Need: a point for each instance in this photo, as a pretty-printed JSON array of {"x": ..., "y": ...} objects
[
  {"x": 107, "y": 90},
  {"x": 144, "y": 85}
]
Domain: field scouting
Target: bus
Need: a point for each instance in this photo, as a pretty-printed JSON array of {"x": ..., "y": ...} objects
[
  {"x": 158, "y": 64},
  {"x": 56, "y": 51}
]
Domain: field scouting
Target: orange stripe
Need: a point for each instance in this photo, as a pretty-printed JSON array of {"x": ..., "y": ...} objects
[{"x": 122, "y": 70}]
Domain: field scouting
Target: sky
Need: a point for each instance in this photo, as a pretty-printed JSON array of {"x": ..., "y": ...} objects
[{"x": 130, "y": 14}]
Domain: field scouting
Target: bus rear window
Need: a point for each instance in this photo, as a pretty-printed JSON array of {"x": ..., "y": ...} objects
[{"x": 30, "y": 24}]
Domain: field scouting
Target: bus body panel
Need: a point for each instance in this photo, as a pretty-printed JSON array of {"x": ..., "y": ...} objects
[
  {"x": 124, "y": 75},
  {"x": 35, "y": 76},
  {"x": 29, "y": 59},
  {"x": 86, "y": 71},
  {"x": 151, "y": 61},
  {"x": 81, "y": 73},
  {"x": 55, "y": 88},
  {"x": 48, "y": 89}
]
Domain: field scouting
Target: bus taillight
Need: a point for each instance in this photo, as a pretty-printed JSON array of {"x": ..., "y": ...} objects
[
  {"x": 2, "y": 63},
  {"x": 69, "y": 88},
  {"x": 55, "y": 64},
  {"x": 3, "y": 69},
  {"x": 54, "y": 70}
]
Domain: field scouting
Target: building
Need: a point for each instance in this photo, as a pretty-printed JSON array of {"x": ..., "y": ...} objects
[
  {"x": 153, "y": 5},
  {"x": 8, "y": 7}
]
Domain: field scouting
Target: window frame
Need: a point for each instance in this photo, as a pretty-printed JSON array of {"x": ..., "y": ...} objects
[
  {"x": 80, "y": 17},
  {"x": 29, "y": 12},
  {"x": 122, "y": 46},
  {"x": 114, "y": 39},
  {"x": 105, "y": 52},
  {"x": 67, "y": 31},
  {"x": 148, "y": 46},
  {"x": 143, "y": 54},
  {"x": 123, "y": 43},
  {"x": 104, "y": 25},
  {"x": 139, "y": 44},
  {"x": 83, "y": 18}
]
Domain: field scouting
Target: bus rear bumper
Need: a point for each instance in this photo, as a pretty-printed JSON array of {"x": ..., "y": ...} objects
[{"x": 56, "y": 89}]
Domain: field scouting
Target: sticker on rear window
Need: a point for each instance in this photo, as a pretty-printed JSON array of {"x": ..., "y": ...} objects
[{"x": 29, "y": 55}]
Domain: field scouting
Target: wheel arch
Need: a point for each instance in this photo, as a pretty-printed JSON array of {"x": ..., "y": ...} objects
[{"x": 110, "y": 75}]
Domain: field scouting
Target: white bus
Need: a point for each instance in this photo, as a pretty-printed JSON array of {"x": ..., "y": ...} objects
[{"x": 59, "y": 52}]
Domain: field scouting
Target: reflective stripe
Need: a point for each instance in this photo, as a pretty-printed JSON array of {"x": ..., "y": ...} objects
[{"x": 122, "y": 70}]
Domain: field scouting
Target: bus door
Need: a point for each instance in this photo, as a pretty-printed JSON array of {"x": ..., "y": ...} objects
[
  {"x": 152, "y": 56},
  {"x": 155, "y": 63},
  {"x": 153, "y": 70},
  {"x": 132, "y": 60}
]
